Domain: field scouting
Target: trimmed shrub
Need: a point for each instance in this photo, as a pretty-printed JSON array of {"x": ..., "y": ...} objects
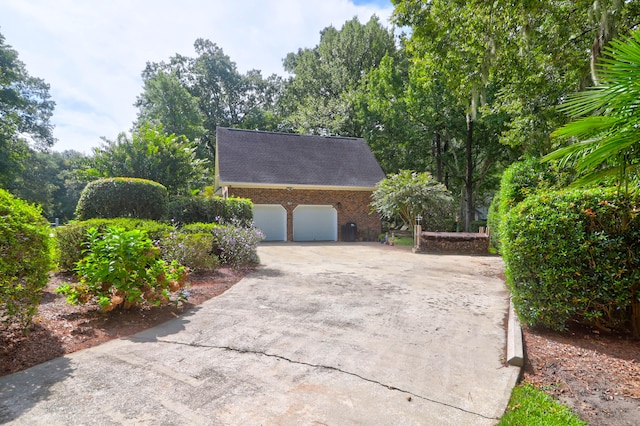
[
  {"x": 25, "y": 259},
  {"x": 123, "y": 269},
  {"x": 575, "y": 256},
  {"x": 236, "y": 244},
  {"x": 71, "y": 239},
  {"x": 191, "y": 249},
  {"x": 185, "y": 210},
  {"x": 199, "y": 227},
  {"x": 122, "y": 197},
  {"x": 520, "y": 180}
]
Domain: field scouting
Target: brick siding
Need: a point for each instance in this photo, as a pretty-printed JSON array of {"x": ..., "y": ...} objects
[{"x": 352, "y": 206}]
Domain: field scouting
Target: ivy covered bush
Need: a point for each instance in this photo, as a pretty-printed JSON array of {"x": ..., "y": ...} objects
[
  {"x": 574, "y": 255},
  {"x": 185, "y": 210},
  {"x": 123, "y": 269},
  {"x": 122, "y": 197},
  {"x": 71, "y": 239},
  {"x": 25, "y": 259}
]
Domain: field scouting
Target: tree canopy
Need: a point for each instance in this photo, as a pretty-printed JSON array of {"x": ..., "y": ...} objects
[
  {"x": 151, "y": 154},
  {"x": 25, "y": 110},
  {"x": 192, "y": 96}
]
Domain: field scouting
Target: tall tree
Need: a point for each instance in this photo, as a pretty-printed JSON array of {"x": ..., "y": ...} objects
[
  {"x": 166, "y": 102},
  {"x": 456, "y": 41},
  {"x": 212, "y": 82},
  {"x": 321, "y": 94},
  {"x": 25, "y": 110}
]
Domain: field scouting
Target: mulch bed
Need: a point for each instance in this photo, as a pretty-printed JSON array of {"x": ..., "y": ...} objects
[
  {"x": 597, "y": 374},
  {"x": 60, "y": 328}
]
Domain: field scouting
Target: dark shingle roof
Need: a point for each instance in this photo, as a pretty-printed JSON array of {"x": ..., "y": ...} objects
[{"x": 252, "y": 157}]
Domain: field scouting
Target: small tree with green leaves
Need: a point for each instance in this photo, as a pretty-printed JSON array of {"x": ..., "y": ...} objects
[{"x": 407, "y": 194}]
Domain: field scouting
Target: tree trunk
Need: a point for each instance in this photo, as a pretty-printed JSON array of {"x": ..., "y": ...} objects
[
  {"x": 468, "y": 184},
  {"x": 635, "y": 316},
  {"x": 438, "y": 156},
  {"x": 445, "y": 149}
]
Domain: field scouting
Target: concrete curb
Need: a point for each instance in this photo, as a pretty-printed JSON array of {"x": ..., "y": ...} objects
[{"x": 515, "y": 351}]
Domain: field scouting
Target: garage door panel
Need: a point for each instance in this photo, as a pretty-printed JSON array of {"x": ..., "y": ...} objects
[
  {"x": 271, "y": 219},
  {"x": 315, "y": 223}
]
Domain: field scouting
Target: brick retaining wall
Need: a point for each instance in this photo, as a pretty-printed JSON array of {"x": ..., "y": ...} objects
[{"x": 454, "y": 243}]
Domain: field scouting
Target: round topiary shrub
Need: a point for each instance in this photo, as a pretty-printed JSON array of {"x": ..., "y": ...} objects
[
  {"x": 122, "y": 197},
  {"x": 25, "y": 259},
  {"x": 574, "y": 256}
]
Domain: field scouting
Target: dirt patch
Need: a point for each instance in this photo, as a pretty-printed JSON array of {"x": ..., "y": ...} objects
[
  {"x": 596, "y": 374},
  {"x": 60, "y": 328}
]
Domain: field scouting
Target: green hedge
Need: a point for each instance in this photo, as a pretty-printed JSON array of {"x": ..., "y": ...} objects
[
  {"x": 199, "y": 227},
  {"x": 574, "y": 255},
  {"x": 71, "y": 239},
  {"x": 185, "y": 210},
  {"x": 122, "y": 197},
  {"x": 520, "y": 180},
  {"x": 25, "y": 259}
]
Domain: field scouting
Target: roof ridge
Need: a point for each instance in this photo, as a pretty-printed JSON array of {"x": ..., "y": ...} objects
[{"x": 288, "y": 134}]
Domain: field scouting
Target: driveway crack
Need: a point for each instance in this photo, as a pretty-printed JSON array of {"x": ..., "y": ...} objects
[{"x": 326, "y": 367}]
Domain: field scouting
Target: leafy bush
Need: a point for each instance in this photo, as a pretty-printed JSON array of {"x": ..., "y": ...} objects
[
  {"x": 408, "y": 194},
  {"x": 192, "y": 249},
  {"x": 185, "y": 210},
  {"x": 575, "y": 256},
  {"x": 122, "y": 197},
  {"x": 71, "y": 239},
  {"x": 236, "y": 245},
  {"x": 520, "y": 180},
  {"x": 123, "y": 269},
  {"x": 25, "y": 259}
]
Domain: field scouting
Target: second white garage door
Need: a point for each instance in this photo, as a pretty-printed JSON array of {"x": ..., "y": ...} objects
[
  {"x": 315, "y": 223},
  {"x": 272, "y": 220}
]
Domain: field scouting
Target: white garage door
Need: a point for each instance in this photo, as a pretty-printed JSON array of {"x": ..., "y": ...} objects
[
  {"x": 272, "y": 220},
  {"x": 315, "y": 223}
]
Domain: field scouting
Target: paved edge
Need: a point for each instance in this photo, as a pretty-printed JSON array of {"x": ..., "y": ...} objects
[{"x": 515, "y": 351}]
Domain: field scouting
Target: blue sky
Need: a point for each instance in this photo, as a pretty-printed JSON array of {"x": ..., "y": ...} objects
[{"x": 92, "y": 53}]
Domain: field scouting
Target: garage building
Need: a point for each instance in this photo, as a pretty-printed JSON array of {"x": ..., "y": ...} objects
[{"x": 304, "y": 188}]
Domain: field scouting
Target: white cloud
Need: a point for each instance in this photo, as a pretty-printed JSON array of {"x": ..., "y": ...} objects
[{"x": 92, "y": 53}]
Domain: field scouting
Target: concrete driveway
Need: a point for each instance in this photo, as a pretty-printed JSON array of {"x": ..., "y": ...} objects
[{"x": 321, "y": 334}]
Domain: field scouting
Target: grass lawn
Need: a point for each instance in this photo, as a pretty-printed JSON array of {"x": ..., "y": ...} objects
[{"x": 531, "y": 406}]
